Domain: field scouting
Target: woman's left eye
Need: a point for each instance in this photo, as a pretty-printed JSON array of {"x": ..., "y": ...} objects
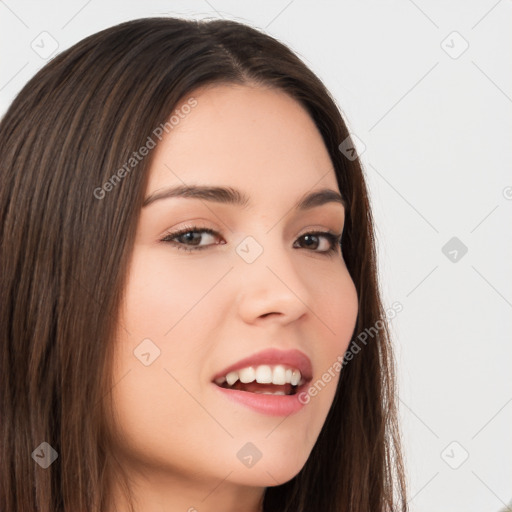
[{"x": 189, "y": 239}]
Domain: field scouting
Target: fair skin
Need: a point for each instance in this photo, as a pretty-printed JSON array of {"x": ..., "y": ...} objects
[{"x": 209, "y": 308}]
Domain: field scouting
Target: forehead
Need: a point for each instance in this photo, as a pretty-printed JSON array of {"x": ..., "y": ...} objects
[{"x": 251, "y": 138}]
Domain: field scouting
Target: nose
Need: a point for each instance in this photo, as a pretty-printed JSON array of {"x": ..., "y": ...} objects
[{"x": 271, "y": 287}]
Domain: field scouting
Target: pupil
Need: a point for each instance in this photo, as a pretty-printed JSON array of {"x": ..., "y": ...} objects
[
  {"x": 310, "y": 238},
  {"x": 190, "y": 236}
]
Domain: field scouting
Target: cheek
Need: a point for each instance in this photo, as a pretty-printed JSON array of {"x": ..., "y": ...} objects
[
  {"x": 346, "y": 310},
  {"x": 336, "y": 309},
  {"x": 161, "y": 290},
  {"x": 336, "y": 305},
  {"x": 153, "y": 415}
]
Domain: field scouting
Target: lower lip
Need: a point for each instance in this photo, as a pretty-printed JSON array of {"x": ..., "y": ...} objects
[{"x": 272, "y": 405}]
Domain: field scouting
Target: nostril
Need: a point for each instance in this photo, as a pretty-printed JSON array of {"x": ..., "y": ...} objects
[{"x": 267, "y": 314}]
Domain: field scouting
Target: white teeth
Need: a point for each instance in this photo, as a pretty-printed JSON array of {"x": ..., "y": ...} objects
[
  {"x": 279, "y": 375},
  {"x": 232, "y": 377},
  {"x": 295, "y": 377},
  {"x": 264, "y": 374},
  {"x": 247, "y": 375}
]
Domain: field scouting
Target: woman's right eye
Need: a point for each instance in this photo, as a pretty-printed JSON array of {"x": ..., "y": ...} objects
[{"x": 189, "y": 242}]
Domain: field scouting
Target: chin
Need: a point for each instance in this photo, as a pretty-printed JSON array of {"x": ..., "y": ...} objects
[{"x": 271, "y": 474}]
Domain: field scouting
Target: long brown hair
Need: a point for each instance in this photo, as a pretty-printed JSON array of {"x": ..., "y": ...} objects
[{"x": 64, "y": 253}]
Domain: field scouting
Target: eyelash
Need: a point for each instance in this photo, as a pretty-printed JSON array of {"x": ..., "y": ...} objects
[{"x": 335, "y": 240}]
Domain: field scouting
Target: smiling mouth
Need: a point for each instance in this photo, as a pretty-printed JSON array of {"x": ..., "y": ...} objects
[{"x": 263, "y": 379}]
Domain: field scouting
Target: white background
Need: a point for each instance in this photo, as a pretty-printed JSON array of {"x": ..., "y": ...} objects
[{"x": 436, "y": 130}]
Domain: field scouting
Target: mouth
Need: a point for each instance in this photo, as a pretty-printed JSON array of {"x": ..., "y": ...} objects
[
  {"x": 277, "y": 380},
  {"x": 270, "y": 382}
]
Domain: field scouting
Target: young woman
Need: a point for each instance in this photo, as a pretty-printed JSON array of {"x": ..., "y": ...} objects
[{"x": 190, "y": 312}]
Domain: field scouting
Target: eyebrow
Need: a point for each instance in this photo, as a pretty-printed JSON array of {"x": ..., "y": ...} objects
[{"x": 232, "y": 196}]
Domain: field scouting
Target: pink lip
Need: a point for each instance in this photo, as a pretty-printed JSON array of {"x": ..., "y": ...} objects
[
  {"x": 293, "y": 358},
  {"x": 272, "y": 405}
]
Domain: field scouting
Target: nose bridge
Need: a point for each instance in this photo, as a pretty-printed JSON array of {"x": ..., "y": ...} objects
[{"x": 268, "y": 278}]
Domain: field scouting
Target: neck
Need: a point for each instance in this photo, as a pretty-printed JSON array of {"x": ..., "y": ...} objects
[{"x": 155, "y": 491}]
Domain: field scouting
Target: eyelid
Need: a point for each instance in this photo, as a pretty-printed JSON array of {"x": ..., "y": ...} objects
[{"x": 187, "y": 228}]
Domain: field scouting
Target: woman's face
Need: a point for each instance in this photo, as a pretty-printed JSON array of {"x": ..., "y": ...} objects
[{"x": 258, "y": 283}]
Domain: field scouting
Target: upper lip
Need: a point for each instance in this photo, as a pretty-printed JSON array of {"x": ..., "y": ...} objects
[{"x": 293, "y": 358}]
